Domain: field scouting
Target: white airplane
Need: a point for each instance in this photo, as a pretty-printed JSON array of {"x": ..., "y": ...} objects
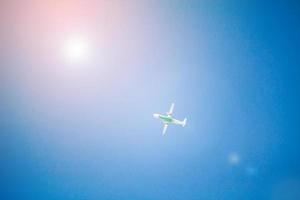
[{"x": 168, "y": 119}]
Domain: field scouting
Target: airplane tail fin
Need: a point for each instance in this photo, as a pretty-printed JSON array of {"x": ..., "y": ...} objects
[{"x": 184, "y": 122}]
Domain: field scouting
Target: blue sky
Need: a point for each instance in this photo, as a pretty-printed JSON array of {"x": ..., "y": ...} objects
[{"x": 86, "y": 131}]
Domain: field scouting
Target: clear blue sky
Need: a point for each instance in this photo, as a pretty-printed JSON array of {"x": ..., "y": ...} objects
[{"x": 85, "y": 130}]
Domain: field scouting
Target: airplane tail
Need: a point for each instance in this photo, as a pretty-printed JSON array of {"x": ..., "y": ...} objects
[{"x": 184, "y": 122}]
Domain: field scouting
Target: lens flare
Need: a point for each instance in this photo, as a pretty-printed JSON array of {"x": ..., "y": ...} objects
[{"x": 233, "y": 158}]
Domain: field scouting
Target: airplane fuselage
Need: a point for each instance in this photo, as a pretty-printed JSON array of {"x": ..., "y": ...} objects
[{"x": 167, "y": 119}]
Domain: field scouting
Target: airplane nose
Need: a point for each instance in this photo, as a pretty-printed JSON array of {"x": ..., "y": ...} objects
[{"x": 155, "y": 115}]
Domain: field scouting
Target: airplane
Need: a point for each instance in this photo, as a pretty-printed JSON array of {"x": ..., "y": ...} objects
[{"x": 168, "y": 119}]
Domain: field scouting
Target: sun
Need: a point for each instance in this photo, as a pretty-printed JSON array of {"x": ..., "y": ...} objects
[{"x": 76, "y": 50}]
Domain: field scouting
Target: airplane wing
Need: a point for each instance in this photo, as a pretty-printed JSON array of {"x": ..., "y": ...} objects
[
  {"x": 171, "y": 109},
  {"x": 165, "y": 129}
]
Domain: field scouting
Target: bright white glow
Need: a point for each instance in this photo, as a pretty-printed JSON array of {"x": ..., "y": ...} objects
[
  {"x": 76, "y": 50},
  {"x": 233, "y": 158}
]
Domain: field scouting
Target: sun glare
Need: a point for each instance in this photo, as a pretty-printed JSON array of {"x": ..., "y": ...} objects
[{"x": 76, "y": 50}]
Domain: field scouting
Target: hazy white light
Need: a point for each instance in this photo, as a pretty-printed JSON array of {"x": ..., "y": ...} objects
[
  {"x": 76, "y": 50},
  {"x": 233, "y": 158}
]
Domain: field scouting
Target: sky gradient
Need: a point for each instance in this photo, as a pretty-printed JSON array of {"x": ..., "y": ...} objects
[{"x": 85, "y": 130}]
